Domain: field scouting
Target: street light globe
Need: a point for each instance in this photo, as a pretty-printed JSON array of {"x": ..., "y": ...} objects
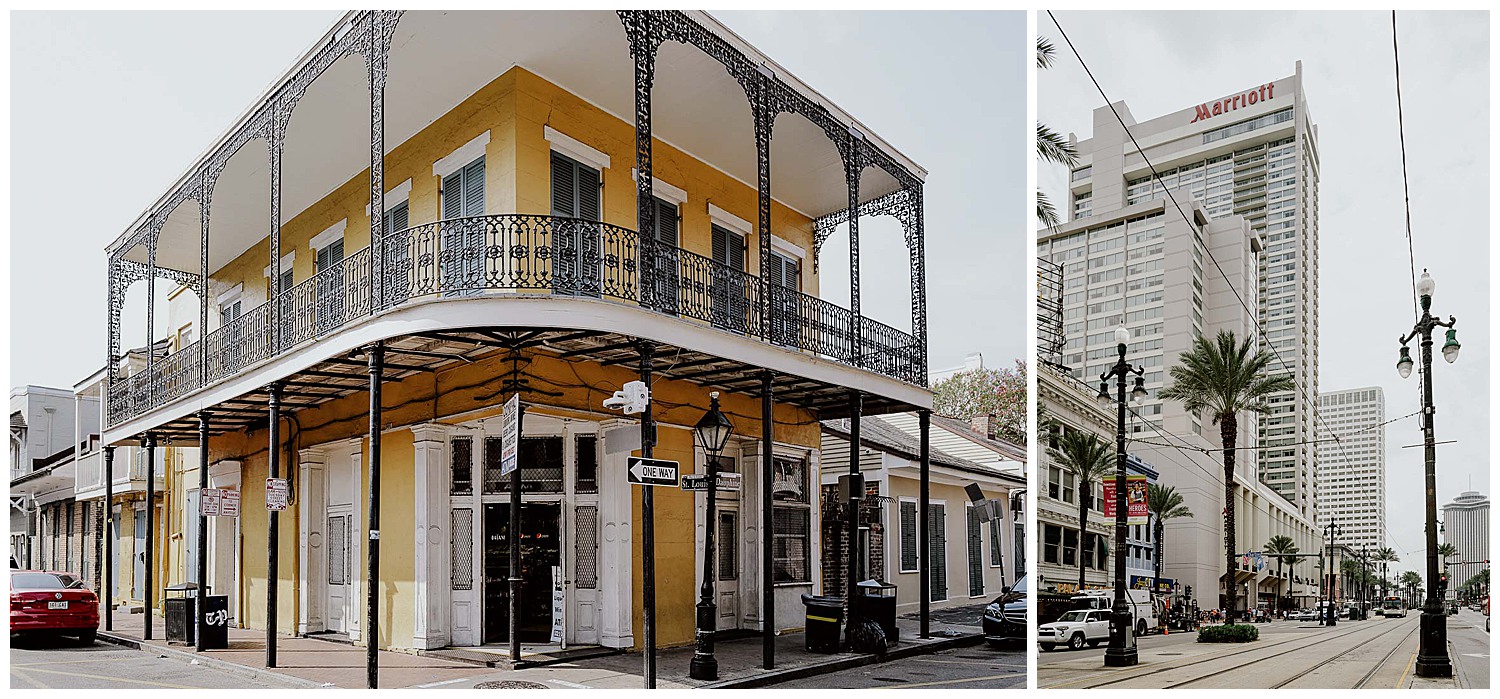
[
  {"x": 1138, "y": 393},
  {"x": 1403, "y": 364},
  {"x": 1103, "y": 393},
  {"x": 1122, "y": 335},
  {"x": 1450, "y": 348},
  {"x": 1425, "y": 285}
]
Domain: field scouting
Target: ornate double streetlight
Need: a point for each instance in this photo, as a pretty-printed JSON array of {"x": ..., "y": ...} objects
[
  {"x": 1121, "y": 651},
  {"x": 1432, "y": 650},
  {"x": 1331, "y": 574},
  {"x": 713, "y": 432}
]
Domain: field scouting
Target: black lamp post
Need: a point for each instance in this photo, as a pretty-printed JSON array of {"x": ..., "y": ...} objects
[
  {"x": 1331, "y": 613},
  {"x": 713, "y": 433},
  {"x": 1121, "y": 651},
  {"x": 1432, "y": 651}
]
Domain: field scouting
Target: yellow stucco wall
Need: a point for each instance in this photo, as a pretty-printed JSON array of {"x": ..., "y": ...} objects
[{"x": 515, "y": 108}]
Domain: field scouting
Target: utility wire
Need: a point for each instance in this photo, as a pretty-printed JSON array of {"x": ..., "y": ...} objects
[
  {"x": 1253, "y": 314},
  {"x": 1288, "y": 444},
  {"x": 1405, "y": 184}
]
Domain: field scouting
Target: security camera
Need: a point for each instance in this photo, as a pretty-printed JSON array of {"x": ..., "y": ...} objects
[{"x": 617, "y": 402}]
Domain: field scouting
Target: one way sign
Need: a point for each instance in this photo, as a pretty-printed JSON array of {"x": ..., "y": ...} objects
[{"x": 652, "y": 471}]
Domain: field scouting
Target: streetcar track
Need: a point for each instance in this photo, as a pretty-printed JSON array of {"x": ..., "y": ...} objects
[
  {"x": 1195, "y": 661},
  {"x": 1383, "y": 661},
  {"x": 1302, "y": 674},
  {"x": 1362, "y": 644}
]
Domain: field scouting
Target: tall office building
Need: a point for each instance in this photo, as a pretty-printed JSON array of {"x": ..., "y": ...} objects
[
  {"x": 1251, "y": 154},
  {"x": 1237, "y": 246},
  {"x": 1466, "y": 525},
  {"x": 1351, "y": 470}
]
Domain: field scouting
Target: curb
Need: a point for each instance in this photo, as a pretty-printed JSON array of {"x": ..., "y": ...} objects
[
  {"x": 829, "y": 666},
  {"x": 226, "y": 666}
]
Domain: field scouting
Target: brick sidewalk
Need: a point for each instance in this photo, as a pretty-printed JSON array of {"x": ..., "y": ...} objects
[{"x": 303, "y": 662}]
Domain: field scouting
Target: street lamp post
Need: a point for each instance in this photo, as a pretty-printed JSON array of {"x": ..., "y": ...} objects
[
  {"x": 713, "y": 433},
  {"x": 1331, "y": 613},
  {"x": 1432, "y": 651},
  {"x": 1121, "y": 651}
]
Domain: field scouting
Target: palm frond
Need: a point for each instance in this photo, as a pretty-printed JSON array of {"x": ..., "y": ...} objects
[
  {"x": 1052, "y": 147},
  {"x": 1045, "y": 52},
  {"x": 1046, "y": 213}
]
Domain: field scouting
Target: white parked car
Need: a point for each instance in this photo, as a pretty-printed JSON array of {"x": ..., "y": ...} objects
[{"x": 1074, "y": 629}]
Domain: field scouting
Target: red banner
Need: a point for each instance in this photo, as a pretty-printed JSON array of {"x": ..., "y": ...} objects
[{"x": 1135, "y": 494}]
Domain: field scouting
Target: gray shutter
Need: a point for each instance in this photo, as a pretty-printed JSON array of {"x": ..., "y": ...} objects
[
  {"x": 721, "y": 245},
  {"x": 588, "y": 193},
  {"x": 938, "y": 567},
  {"x": 453, "y": 195},
  {"x": 474, "y": 188},
  {"x": 908, "y": 535},
  {"x": 666, "y": 223},
  {"x": 997, "y": 542},
  {"x": 564, "y": 187},
  {"x": 976, "y": 551},
  {"x": 397, "y": 219}
]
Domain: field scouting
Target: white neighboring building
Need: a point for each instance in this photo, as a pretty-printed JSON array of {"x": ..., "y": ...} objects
[
  {"x": 1466, "y": 525},
  {"x": 1351, "y": 471},
  {"x": 1251, "y": 154}
]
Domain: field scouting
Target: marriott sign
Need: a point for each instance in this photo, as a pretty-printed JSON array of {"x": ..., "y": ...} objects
[{"x": 1233, "y": 102}]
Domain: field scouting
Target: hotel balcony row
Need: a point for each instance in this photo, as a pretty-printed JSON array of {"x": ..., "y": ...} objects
[{"x": 455, "y": 185}]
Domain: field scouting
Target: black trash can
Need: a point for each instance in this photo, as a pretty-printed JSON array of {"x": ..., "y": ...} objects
[
  {"x": 825, "y": 618},
  {"x": 216, "y": 618},
  {"x": 180, "y": 620},
  {"x": 877, "y": 602}
]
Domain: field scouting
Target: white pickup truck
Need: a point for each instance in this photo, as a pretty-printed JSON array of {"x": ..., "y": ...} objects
[
  {"x": 1142, "y": 606},
  {"x": 1075, "y": 628}
]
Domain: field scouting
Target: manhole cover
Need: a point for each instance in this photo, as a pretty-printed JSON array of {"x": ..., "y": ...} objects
[{"x": 511, "y": 684}]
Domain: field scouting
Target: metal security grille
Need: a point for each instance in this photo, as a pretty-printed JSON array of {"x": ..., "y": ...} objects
[
  {"x": 937, "y": 570},
  {"x": 338, "y": 550},
  {"x": 908, "y": 536},
  {"x": 461, "y": 552},
  {"x": 729, "y": 550},
  {"x": 462, "y": 455},
  {"x": 976, "y": 554},
  {"x": 586, "y": 547},
  {"x": 493, "y": 481},
  {"x": 791, "y": 526}
]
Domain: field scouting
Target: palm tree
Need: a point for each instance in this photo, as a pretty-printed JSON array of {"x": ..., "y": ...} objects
[
  {"x": 1384, "y": 556},
  {"x": 1164, "y": 503},
  {"x": 1089, "y": 459},
  {"x": 1411, "y": 580},
  {"x": 1050, "y": 145},
  {"x": 1225, "y": 377},
  {"x": 1282, "y": 544}
]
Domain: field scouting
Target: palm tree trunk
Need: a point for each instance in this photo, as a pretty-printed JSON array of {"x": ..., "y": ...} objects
[
  {"x": 1228, "y": 431},
  {"x": 1083, "y": 524}
]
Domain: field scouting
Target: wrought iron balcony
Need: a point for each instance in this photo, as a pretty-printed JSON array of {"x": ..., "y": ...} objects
[{"x": 522, "y": 255}]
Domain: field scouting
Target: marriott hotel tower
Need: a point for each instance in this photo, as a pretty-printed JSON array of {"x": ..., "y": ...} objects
[{"x": 1253, "y": 155}]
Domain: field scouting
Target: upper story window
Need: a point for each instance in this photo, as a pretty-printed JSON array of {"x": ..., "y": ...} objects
[
  {"x": 576, "y": 188},
  {"x": 729, "y": 248},
  {"x": 667, "y": 222},
  {"x": 328, "y": 247},
  {"x": 463, "y": 191},
  {"x": 229, "y": 311}
]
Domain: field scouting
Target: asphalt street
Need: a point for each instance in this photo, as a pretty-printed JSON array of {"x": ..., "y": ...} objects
[
  {"x": 974, "y": 667},
  {"x": 58, "y": 663}
]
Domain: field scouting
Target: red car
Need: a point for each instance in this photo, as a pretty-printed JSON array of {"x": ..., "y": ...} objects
[{"x": 52, "y": 602}]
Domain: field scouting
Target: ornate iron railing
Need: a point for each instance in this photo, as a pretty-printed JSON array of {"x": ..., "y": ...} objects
[{"x": 525, "y": 254}]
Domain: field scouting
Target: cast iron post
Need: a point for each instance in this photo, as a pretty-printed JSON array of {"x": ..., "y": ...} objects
[
  {"x": 150, "y": 444},
  {"x": 273, "y": 546},
  {"x": 375, "y": 354},
  {"x": 648, "y": 526},
  {"x": 201, "y": 605},
  {"x": 1122, "y": 651}
]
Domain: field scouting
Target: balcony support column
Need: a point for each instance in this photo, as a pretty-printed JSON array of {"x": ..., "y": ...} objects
[
  {"x": 640, "y": 30},
  {"x": 200, "y": 606},
  {"x": 924, "y": 535},
  {"x": 853, "y": 164},
  {"x": 280, "y": 112},
  {"x": 916, "y": 245},
  {"x": 375, "y": 353},
  {"x": 205, "y": 198},
  {"x": 768, "y": 526},
  {"x": 765, "y": 121},
  {"x": 383, "y": 26},
  {"x": 856, "y": 498},
  {"x": 149, "y": 443},
  {"x": 108, "y": 583},
  {"x": 273, "y": 545}
]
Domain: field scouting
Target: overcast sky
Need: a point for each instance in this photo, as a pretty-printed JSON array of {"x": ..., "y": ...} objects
[
  {"x": 1159, "y": 63},
  {"x": 135, "y": 98}
]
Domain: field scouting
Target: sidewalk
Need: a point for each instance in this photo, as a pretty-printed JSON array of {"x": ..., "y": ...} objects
[{"x": 316, "y": 663}]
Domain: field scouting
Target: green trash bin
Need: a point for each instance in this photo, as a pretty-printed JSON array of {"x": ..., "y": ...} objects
[{"x": 825, "y": 620}]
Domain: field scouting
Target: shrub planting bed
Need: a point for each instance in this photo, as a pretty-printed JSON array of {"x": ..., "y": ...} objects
[{"x": 1228, "y": 633}]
